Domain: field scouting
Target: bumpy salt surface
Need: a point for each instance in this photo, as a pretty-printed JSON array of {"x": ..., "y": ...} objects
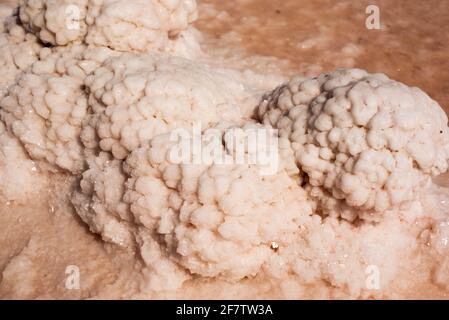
[{"x": 129, "y": 194}]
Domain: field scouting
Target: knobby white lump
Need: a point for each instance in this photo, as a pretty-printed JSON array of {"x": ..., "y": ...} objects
[
  {"x": 216, "y": 220},
  {"x": 136, "y": 97},
  {"x": 18, "y": 50},
  {"x": 123, "y": 25},
  {"x": 359, "y": 138},
  {"x": 46, "y": 107},
  {"x": 100, "y": 204},
  {"x": 219, "y": 220},
  {"x": 142, "y": 25},
  {"x": 49, "y": 19},
  {"x": 100, "y": 102}
]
